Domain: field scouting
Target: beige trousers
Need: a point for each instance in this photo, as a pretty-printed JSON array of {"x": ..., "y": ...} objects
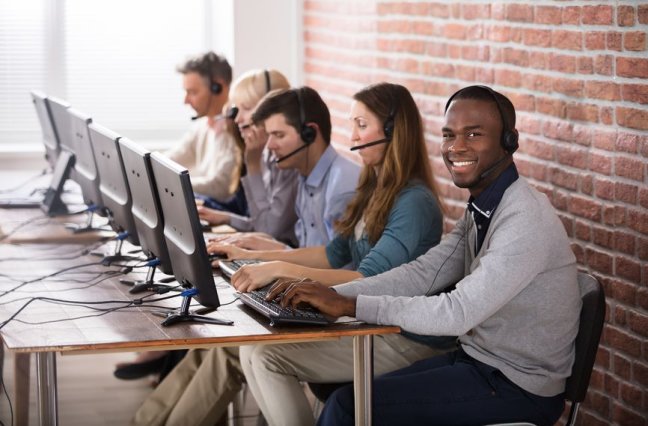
[
  {"x": 196, "y": 392},
  {"x": 273, "y": 372}
]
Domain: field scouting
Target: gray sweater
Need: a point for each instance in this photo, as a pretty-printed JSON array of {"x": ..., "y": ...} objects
[{"x": 516, "y": 303}]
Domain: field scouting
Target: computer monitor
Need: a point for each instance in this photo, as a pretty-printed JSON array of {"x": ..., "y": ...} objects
[
  {"x": 48, "y": 131},
  {"x": 85, "y": 167},
  {"x": 112, "y": 180},
  {"x": 184, "y": 238},
  {"x": 146, "y": 210}
]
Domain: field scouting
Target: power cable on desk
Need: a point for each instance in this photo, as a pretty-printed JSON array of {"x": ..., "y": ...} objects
[
  {"x": 84, "y": 252},
  {"x": 22, "y": 225},
  {"x": 20, "y": 185}
]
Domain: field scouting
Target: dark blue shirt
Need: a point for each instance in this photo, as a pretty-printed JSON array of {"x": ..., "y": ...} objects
[{"x": 483, "y": 206}]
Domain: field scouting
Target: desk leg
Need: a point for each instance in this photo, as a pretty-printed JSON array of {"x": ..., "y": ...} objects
[
  {"x": 363, "y": 378},
  {"x": 46, "y": 384},
  {"x": 21, "y": 387}
]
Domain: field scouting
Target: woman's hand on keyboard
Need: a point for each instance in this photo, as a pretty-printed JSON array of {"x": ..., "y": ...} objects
[
  {"x": 253, "y": 277},
  {"x": 324, "y": 298},
  {"x": 252, "y": 241},
  {"x": 232, "y": 252}
]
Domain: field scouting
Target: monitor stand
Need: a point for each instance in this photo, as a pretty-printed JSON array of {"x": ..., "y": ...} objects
[
  {"x": 183, "y": 315},
  {"x": 87, "y": 227},
  {"x": 147, "y": 284}
]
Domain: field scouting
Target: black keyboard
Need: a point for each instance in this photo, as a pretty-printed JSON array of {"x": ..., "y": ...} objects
[
  {"x": 279, "y": 315},
  {"x": 230, "y": 266}
]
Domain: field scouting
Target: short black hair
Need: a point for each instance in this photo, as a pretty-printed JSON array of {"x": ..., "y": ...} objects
[
  {"x": 288, "y": 103},
  {"x": 208, "y": 65},
  {"x": 485, "y": 93}
]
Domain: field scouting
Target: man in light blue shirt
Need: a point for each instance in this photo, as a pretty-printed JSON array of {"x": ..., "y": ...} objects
[{"x": 298, "y": 124}]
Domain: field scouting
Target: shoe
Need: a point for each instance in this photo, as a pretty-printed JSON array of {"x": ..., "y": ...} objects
[{"x": 141, "y": 369}]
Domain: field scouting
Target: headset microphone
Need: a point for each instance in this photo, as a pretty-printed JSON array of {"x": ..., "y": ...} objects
[
  {"x": 368, "y": 144},
  {"x": 287, "y": 156},
  {"x": 492, "y": 168},
  {"x": 230, "y": 114}
]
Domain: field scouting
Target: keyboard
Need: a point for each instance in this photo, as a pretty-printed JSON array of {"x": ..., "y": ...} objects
[
  {"x": 279, "y": 315},
  {"x": 230, "y": 266}
]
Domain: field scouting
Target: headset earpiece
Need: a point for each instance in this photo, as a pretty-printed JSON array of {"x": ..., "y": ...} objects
[
  {"x": 509, "y": 141},
  {"x": 306, "y": 132},
  {"x": 216, "y": 87},
  {"x": 388, "y": 126}
]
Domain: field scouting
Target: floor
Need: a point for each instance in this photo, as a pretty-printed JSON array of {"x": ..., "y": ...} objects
[{"x": 89, "y": 395}]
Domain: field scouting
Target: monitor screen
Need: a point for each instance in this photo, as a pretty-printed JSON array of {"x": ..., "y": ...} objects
[
  {"x": 182, "y": 230},
  {"x": 84, "y": 166},
  {"x": 50, "y": 139},
  {"x": 112, "y": 180},
  {"x": 146, "y": 203}
]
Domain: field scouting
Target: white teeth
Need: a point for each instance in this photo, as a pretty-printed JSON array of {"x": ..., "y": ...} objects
[{"x": 463, "y": 163}]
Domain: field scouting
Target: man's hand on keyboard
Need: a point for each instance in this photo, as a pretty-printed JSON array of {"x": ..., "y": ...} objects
[
  {"x": 253, "y": 277},
  {"x": 232, "y": 252},
  {"x": 325, "y": 299}
]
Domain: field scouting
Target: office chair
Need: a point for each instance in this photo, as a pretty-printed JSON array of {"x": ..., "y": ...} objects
[{"x": 590, "y": 326}]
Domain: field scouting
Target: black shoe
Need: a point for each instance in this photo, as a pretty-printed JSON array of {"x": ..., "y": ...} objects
[{"x": 140, "y": 369}]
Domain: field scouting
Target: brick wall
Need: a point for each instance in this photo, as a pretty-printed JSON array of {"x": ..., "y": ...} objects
[{"x": 577, "y": 72}]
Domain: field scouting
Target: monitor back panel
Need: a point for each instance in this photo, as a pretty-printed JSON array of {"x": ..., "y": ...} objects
[
  {"x": 48, "y": 131},
  {"x": 146, "y": 209},
  {"x": 85, "y": 167},
  {"x": 112, "y": 180},
  {"x": 182, "y": 229}
]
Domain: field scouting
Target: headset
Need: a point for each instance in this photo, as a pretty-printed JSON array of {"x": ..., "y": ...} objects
[
  {"x": 306, "y": 132},
  {"x": 509, "y": 138},
  {"x": 214, "y": 86},
  {"x": 266, "y": 73}
]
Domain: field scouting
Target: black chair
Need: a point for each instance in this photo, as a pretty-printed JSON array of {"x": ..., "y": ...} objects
[{"x": 592, "y": 317}]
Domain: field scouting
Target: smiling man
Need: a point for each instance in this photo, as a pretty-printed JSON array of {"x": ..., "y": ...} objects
[{"x": 504, "y": 281}]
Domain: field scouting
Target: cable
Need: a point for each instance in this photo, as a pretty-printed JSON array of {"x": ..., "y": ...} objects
[
  {"x": 20, "y": 185},
  {"x": 22, "y": 225}
]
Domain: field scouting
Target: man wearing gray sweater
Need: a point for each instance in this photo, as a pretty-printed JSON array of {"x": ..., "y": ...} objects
[{"x": 504, "y": 281}]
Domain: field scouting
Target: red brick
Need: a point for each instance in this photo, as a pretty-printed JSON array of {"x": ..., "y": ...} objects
[
  {"x": 548, "y": 15},
  {"x": 539, "y": 149},
  {"x": 635, "y": 93},
  {"x": 626, "y": 416},
  {"x": 628, "y": 269},
  {"x": 632, "y": 118},
  {"x": 632, "y": 67},
  {"x": 454, "y": 31},
  {"x": 638, "y": 220},
  {"x": 562, "y": 63},
  {"x": 619, "y": 315},
  {"x": 571, "y": 15},
  {"x": 576, "y": 248},
  {"x": 640, "y": 373},
  {"x": 601, "y": 164},
  {"x": 563, "y": 178},
  {"x": 622, "y": 368},
  {"x": 619, "y": 339},
  {"x": 436, "y": 49},
  {"x": 614, "y": 215},
  {"x": 611, "y": 385},
  {"x": 508, "y": 78},
  {"x": 625, "y": 192},
  {"x": 602, "y": 360},
  {"x": 595, "y": 40},
  {"x": 475, "y": 11},
  {"x": 585, "y": 65},
  {"x": 582, "y": 112},
  {"x": 567, "y": 40},
  {"x": 597, "y": 15},
  {"x": 569, "y": 87},
  {"x": 613, "y": 41},
  {"x": 605, "y": 90},
  {"x": 634, "y": 41},
  {"x": 604, "y": 189},
  {"x": 536, "y": 37},
  {"x": 643, "y": 197},
  {"x": 538, "y": 60},
  {"x": 599, "y": 261},
  {"x": 554, "y": 107},
  {"x": 583, "y": 133},
  {"x": 600, "y": 404},
  {"x": 638, "y": 322},
  {"x": 642, "y": 298},
  {"x": 642, "y": 14},
  {"x": 627, "y": 142},
  {"x": 631, "y": 394},
  {"x": 476, "y": 53},
  {"x": 582, "y": 231},
  {"x": 515, "y": 56},
  {"x": 625, "y": 16},
  {"x": 603, "y": 64},
  {"x": 519, "y": 13},
  {"x": 629, "y": 168},
  {"x": 602, "y": 237},
  {"x": 586, "y": 183},
  {"x": 439, "y": 10},
  {"x": 605, "y": 140},
  {"x": 607, "y": 116},
  {"x": 624, "y": 242}
]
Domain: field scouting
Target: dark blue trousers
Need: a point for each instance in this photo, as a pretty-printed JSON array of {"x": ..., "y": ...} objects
[
  {"x": 237, "y": 204},
  {"x": 449, "y": 389}
]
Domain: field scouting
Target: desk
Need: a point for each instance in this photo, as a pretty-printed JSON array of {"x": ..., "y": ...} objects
[{"x": 139, "y": 330}]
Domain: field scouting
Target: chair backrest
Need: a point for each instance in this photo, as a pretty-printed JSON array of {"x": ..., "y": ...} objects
[{"x": 589, "y": 333}]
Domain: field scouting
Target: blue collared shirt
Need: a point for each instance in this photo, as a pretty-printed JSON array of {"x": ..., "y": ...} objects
[
  {"x": 322, "y": 197},
  {"x": 483, "y": 206}
]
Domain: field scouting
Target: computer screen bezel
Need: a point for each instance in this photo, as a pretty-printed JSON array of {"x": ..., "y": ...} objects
[
  {"x": 113, "y": 184},
  {"x": 145, "y": 208},
  {"x": 182, "y": 230}
]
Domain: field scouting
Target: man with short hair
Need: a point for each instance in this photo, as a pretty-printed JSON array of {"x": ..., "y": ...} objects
[{"x": 210, "y": 153}]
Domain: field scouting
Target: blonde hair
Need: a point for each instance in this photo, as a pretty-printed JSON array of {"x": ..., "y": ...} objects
[
  {"x": 253, "y": 85},
  {"x": 406, "y": 159}
]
